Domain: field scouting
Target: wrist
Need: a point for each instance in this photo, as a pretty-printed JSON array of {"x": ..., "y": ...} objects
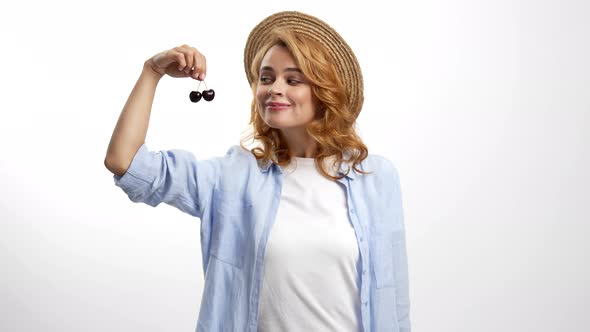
[{"x": 149, "y": 71}]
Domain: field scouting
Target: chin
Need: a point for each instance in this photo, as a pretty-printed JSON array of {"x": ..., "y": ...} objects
[{"x": 275, "y": 125}]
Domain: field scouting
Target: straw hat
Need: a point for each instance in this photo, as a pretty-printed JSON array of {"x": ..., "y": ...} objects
[{"x": 346, "y": 63}]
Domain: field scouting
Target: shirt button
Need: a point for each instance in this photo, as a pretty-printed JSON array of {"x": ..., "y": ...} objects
[
  {"x": 352, "y": 211},
  {"x": 366, "y": 303},
  {"x": 361, "y": 239},
  {"x": 364, "y": 271}
]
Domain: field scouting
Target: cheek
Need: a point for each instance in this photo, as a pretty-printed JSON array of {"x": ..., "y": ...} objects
[
  {"x": 261, "y": 100},
  {"x": 261, "y": 94},
  {"x": 303, "y": 97}
]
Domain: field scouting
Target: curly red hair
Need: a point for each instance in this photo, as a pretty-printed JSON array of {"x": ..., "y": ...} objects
[{"x": 332, "y": 127}]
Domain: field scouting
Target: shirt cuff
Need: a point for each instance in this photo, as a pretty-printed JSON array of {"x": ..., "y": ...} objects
[{"x": 138, "y": 175}]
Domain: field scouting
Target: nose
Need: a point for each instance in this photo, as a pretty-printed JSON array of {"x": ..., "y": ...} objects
[{"x": 276, "y": 88}]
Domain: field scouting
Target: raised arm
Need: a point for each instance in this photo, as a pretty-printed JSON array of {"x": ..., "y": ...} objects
[{"x": 131, "y": 128}]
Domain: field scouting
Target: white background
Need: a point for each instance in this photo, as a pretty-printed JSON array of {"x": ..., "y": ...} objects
[{"x": 484, "y": 107}]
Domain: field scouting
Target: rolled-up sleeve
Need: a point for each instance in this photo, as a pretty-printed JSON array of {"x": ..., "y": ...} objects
[{"x": 174, "y": 177}]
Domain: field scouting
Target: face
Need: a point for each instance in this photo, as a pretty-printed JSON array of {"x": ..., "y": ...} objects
[{"x": 284, "y": 97}]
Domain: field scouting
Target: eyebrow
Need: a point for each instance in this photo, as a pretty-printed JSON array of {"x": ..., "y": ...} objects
[{"x": 287, "y": 69}]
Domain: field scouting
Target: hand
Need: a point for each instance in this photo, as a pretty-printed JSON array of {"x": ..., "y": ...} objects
[{"x": 181, "y": 61}]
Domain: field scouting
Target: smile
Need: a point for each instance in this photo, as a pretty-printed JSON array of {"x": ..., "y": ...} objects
[{"x": 277, "y": 107}]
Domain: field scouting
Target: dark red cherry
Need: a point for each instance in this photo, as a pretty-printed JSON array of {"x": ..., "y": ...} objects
[
  {"x": 195, "y": 96},
  {"x": 208, "y": 95}
]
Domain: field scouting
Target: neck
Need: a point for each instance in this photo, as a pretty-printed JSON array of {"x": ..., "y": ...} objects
[{"x": 300, "y": 143}]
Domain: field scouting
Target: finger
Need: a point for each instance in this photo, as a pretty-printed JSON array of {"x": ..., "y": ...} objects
[
  {"x": 179, "y": 56},
  {"x": 190, "y": 59},
  {"x": 195, "y": 73},
  {"x": 202, "y": 67}
]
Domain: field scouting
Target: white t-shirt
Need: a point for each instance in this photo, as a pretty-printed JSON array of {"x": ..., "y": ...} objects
[{"x": 310, "y": 278}]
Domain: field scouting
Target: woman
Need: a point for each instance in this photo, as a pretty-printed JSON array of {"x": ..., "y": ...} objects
[{"x": 306, "y": 231}]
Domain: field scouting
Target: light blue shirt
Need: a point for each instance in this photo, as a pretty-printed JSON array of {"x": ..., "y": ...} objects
[{"x": 236, "y": 198}]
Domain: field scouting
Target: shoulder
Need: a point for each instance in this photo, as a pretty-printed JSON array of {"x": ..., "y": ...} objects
[
  {"x": 238, "y": 152},
  {"x": 381, "y": 166},
  {"x": 240, "y": 160},
  {"x": 241, "y": 155}
]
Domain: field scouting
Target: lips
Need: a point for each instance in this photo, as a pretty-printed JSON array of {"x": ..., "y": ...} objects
[
  {"x": 273, "y": 106},
  {"x": 276, "y": 104}
]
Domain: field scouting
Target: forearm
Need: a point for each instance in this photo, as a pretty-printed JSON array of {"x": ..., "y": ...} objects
[{"x": 131, "y": 129}]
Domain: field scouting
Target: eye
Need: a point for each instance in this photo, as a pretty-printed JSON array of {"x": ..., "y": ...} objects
[{"x": 264, "y": 79}]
